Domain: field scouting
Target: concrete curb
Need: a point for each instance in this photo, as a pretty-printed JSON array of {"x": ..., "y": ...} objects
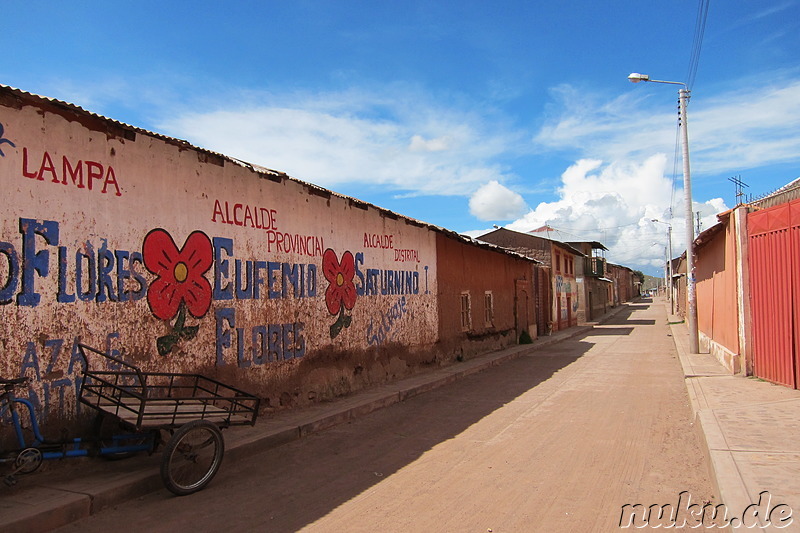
[{"x": 48, "y": 506}]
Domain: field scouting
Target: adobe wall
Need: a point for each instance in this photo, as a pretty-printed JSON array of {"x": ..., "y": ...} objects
[
  {"x": 181, "y": 260},
  {"x": 468, "y": 269},
  {"x": 566, "y": 300},
  {"x": 717, "y": 309}
]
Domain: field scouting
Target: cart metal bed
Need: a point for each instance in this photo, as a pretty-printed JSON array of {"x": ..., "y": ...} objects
[
  {"x": 163, "y": 400},
  {"x": 193, "y": 408}
]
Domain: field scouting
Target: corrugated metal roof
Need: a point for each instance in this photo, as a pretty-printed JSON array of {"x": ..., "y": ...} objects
[
  {"x": 594, "y": 244},
  {"x": 529, "y": 235}
]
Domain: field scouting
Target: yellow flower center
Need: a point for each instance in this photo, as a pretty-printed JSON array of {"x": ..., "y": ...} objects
[
  {"x": 181, "y": 272},
  {"x": 339, "y": 279}
]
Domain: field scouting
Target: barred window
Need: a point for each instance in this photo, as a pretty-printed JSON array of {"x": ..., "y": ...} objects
[
  {"x": 488, "y": 306},
  {"x": 466, "y": 312}
]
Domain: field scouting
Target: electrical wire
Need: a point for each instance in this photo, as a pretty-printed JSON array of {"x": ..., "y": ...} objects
[
  {"x": 675, "y": 171},
  {"x": 697, "y": 43}
]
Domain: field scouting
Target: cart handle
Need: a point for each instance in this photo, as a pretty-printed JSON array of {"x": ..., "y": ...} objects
[{"x": 136, "y": 369}]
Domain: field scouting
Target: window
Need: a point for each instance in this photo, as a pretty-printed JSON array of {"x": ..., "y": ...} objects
[
  {"x": 466, "y": 312},
  {"x": 488, "y": 306},
  {"x": 558, "y": 262}
]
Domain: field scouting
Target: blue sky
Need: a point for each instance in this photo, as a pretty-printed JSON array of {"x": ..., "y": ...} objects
[{"x": 461, "y": 114}]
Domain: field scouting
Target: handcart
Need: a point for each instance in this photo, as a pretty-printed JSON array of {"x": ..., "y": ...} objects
[{"x": 192, "y": 407}]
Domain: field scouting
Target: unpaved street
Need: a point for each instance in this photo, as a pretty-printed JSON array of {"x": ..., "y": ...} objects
[{"x": 555, "y": 441}]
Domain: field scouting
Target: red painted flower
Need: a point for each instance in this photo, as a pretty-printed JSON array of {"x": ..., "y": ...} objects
[
  {"x": 180, "y": 273},
  {"x": 342, "y": 290}
]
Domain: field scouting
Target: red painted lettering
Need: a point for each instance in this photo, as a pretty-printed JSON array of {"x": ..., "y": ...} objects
[
  {"x": 47, "y": 166},
  {"x": 228, "y": 214},
  {"x": 245, "y": 215},
  {"x": 373, "y": 240},
  {"x": 25, "y": 171},
  {"x": 111, "y": 179},
  {"x": 75, "y": 174},
  {"x": 94, "y": 171},
  {"x": 217, "y": 211},
  {"x": 249, "y": 215}
]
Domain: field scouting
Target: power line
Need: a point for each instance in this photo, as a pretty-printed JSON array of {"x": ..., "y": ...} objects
[
  {"x": 591, "y": 230},
  {"x": 699, "y": 32}
]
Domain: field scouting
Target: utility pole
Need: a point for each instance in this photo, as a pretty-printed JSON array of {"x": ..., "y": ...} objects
[
  {"x": 691, "y": 312},
  {"x": 669, "y": 264}
]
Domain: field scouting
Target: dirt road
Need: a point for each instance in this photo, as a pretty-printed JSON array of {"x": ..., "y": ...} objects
[{"x": 556, "y": 441}]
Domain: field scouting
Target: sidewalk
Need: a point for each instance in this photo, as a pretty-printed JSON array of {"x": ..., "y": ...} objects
[
  {"x": 78, "y": 488},
  {"x": 752, "y": 432}
]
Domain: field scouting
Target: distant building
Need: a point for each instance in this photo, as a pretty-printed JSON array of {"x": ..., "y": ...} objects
[
  {"x": 623, "y": 287},
  {"x": 562, "y": 261},
  {"x": 593, "y": 283}
]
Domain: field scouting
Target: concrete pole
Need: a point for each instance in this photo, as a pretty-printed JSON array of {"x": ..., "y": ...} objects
[
  {"x": 743, "y": 291},
  {"x": 691, "y": 312}
]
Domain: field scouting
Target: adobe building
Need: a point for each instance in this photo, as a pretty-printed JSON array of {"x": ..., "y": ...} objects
[
  {"x": 593, "y": 283},
  {"x": 623, "y": 286},
  {"x": 560, "y": 258}
]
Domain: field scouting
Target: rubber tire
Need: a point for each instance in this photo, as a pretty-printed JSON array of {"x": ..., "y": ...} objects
[{"x": 181, "y": 472}]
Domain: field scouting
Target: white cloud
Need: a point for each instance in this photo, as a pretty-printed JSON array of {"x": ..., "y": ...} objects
[
  {"x": 615, "y": 204},
  {"x": 399, "y": 141},
  {"x": 494, "y": 201},
  {"x": 419, "y": 144},
  {"x": 728, "y": 132}
]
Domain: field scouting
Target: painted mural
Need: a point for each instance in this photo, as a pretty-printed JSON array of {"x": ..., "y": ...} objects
[
  {"x": 150, "y": 251},
  {"x": 567, "y": 287}
]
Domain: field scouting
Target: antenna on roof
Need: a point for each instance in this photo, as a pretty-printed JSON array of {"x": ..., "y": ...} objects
[{"x": 738, "y": 183}]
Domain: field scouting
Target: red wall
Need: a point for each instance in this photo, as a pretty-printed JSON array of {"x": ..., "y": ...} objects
[
  {"x": 465, "y": 267},
  {"x": 715, "y": 271}
]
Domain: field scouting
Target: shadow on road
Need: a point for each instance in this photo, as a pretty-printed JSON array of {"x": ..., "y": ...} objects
[
  {"x": 644, "y": 322},
  {"x": 296, "y": 484},
  {"x": 605, "y": 330}
]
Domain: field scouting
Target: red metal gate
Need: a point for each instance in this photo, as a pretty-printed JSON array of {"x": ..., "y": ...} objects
[{"x": 774, "y": 262}]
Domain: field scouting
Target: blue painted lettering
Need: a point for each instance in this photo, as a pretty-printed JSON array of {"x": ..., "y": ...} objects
[
  {"x": 221, "y": 268},
  {"x": 34, "y": 262},
  {"x": 8, "y": 289},
  {"x": 269, "y": 342}
]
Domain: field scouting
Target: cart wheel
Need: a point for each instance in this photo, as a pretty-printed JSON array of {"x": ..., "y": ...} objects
[
  {"x": 27, "y": 461},
  {"x": 192, "y": 457}
]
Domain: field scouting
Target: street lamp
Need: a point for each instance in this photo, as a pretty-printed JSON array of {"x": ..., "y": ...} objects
[
  {"x": 691, "y": 312},
  {"x": 668, "y": 268}
]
